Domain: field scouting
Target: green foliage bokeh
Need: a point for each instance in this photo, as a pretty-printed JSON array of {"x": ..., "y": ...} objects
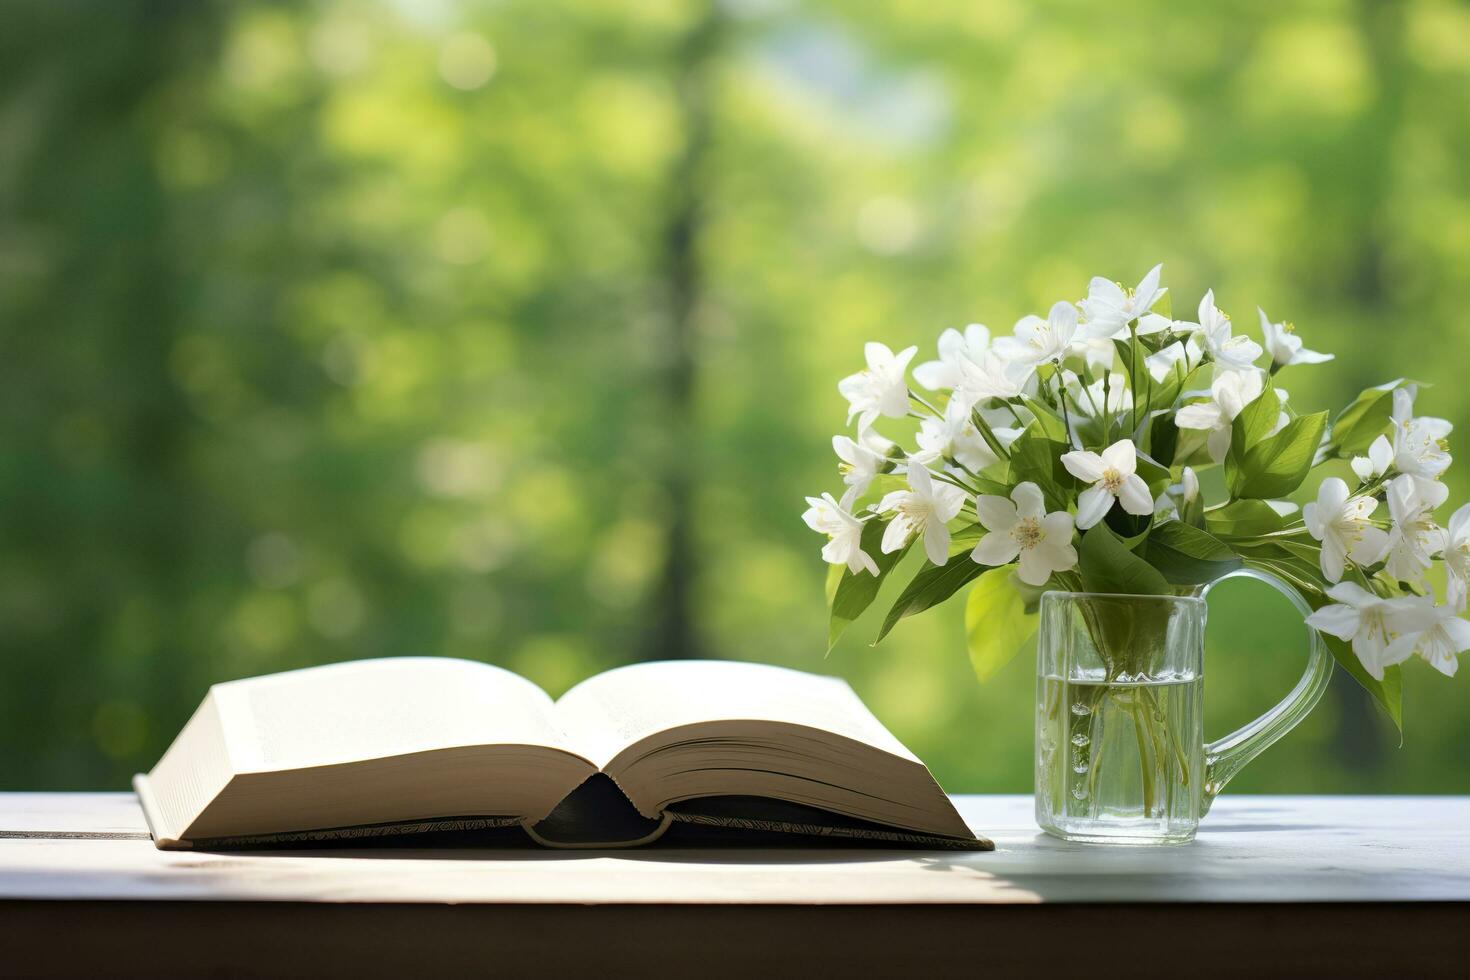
[{"x": 500, "y": 329}]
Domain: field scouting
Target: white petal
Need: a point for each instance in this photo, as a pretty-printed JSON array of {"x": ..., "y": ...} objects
[
  {"x": 896, "y": 535},
  {"x": 996, "y": 513},
  {"x": 1371, "y": 547},
  {"x": 1134, "y": 496},
  {"x": 892, "y": 500},
  {"x": 1085, "y": 466},
  {"x": 921, "y": 482},
  {"x": 1200, "y": 415},
  {"x": 1058, "y": 557},
  {"x": 1033, "y": 569},
  {"x": 951, "y": 343},
  {"x": 1058, "y": 528},
  {"x": 1340, "y": 621},
  {"x": 935, "y": 375},
  {"x": 1333, "y": 558},
  {"x": 1063, "y": 320},
  {"x": 995, "y": 548},
  {"x": 1218, "y": 444},
  {"x": 948, "y": 500},
  {"x": 1352, "y": 594},
  {"x": 1121, "y": 456},
  {"x": 1331, "y": 495},
  {"x": 878, "y": 356},
  {"x": 1147, "y": 293},
  {"x": 1380, "y": 453},
  {"x": 936, "y": 542},
  {"x": 1029, "y": 501},
  {"x": 1093, "y": 505}
]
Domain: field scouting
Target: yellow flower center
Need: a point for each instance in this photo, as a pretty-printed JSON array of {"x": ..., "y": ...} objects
[
  {"x": 1028, "y": 533},
  {"x": 1112, "y": 480}
]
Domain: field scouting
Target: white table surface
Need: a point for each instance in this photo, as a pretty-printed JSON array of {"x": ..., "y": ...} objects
[{"x": 1256, "y": 849}]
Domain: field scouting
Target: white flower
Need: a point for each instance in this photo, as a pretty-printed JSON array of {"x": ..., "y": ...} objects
[
  {"x": 1179, "y": 356},
  {"x": 1341, "y": 523},
  {"x": 1372, "y": 624},
  {"x": 1443, "y": 637},
  {"x": 1189, "y": 485},
  {"x": 880, "y": 389},
  {"x": 1021, "y": 526},
  {"x": 828, "y": 517},
  {"x": 1213, "y": 333},
  {"x": 1284, "y": 346},
  {"x": 1418, "y": 443},
  {"x": 1037, "y": 341},
  {"x": 954, "y": 347},
  {"x": 1414, "y": 536},
  {"x": 860, "y": 463},
  {"x": 1457, "y": 557},
  {"x": 1230, "y": 393},
  {"x": 1376, "y": 463},
  {"x": 1113, "y": 476},
  {"x": 995, "y": 376},
  {"x": 1109, "y": 308},
  {"x": 956, "y": 437},
  {"x": 924, "y": 508}
]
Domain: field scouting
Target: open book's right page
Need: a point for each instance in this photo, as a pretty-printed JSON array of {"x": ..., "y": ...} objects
[{"x": 605, "y": 714}]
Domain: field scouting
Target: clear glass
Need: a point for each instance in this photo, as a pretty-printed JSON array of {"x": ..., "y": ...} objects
[{"x": 1120, "y": 749}]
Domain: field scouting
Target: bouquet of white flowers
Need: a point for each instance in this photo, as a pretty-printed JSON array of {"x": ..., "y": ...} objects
[{"x": 1109, "y": 448}]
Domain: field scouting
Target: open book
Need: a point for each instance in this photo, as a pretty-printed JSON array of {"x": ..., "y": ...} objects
[{"x": 422, "y": 745}]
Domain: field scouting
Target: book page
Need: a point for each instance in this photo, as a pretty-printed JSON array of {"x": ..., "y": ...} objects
[
  {"x": 607, "y": 713},
  {"x": 372, "y": 709}
]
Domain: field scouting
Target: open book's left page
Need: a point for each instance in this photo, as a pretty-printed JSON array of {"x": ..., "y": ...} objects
[{"x": 370, "y": 742}]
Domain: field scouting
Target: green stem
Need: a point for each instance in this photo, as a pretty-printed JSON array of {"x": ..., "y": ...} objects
[
  {"x": 989, "y": 436},
  {"x": 1181, "y": 758},
  {"x": 1145, "y": 766}
]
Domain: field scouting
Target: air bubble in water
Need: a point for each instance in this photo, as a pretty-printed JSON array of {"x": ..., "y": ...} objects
[
  {"x": 1079, "y": 767},
  {"x": 1080, "y": 740},
  {"x": 1079, "y": 792},
  {"x": 1081, "y": 709}
]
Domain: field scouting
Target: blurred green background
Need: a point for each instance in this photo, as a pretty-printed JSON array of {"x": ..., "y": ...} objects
[{"x": 511, "y": 330}]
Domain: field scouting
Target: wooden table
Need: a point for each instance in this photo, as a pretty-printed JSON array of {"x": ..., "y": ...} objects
[{"x": 1298, "y": 886}]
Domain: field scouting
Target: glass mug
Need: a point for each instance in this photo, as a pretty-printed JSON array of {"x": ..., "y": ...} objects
[{"x": 1120, "y": 749}]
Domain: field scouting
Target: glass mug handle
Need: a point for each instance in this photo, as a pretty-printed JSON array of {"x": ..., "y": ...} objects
[{"x": 1227, "y": 756}]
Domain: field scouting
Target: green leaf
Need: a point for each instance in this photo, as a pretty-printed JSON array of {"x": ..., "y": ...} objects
[
  {"x": 1163, "y": 438},
  {"x": 1037, "y": 459},
  {"x": 933, "y": 585},
  {"x": 1367, "y": 418},
  {"x": 834, "y": 579},
  {"x": 1106, "y": 565},
  {"x": 1277, "y": 466},
  {"x": 997, "y": 625},
  {"x": 1154, "y": 474},
  {"x": 1242, "y": 519},
  {"x": 1186, "y": 555},
  {"x": 1253, "y": 424},
  {"x": 1177, "y": 381},
  {"x": 1131, "y": 357},
  {"x": 856, "y": 592},
  {"x": 1052, "y": 425}
]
